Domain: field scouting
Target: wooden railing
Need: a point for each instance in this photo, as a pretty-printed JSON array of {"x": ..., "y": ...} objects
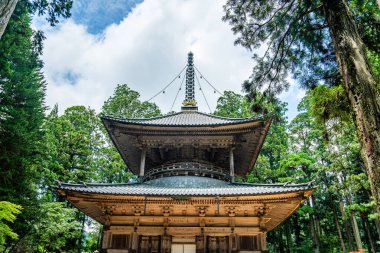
[{"x": 188, "y": 169}]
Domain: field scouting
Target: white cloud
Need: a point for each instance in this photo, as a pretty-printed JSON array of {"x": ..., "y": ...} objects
[{"x": 145, "y": 50}]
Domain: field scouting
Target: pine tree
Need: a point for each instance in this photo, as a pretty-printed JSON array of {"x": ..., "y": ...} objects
[
  {"x": 22, "y": 92},
  {"x": 317, "y": 41}
]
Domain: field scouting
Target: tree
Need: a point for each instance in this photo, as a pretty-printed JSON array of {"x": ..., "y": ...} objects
[
  {"x": 72, "y": 143},
  {"x": 315, "y": 41},
  {"x": 125, "y": 103},
  {"x": 22, "y": 92},
  {"x": 6, "y": 9},
  {"x": 233, "y": 105},
  {"x": 52, "y": 230},
  {"x": 8, "y": 212},
  {"x": 54, "y": 9}
]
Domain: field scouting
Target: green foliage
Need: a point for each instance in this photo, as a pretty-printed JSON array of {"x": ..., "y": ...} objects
[
  {"x": 233, "y": 105},
  {"x": 297, "y": 40},
  {"x": 8, "y": 212},
  {"x": 323, "y": 149},
  {"x": 72, "y": 141},
  {"x": 52, "y": 230},
  {"x": 125, "y": 103},
  {"x": 329, "y": 103},
  {"x": 22, "y": 92},
  {"x": 51, "y": 9}
]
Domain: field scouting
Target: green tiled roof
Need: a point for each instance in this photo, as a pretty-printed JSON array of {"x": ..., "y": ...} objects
[
  {"x": 184, "y": 186},
  {"x": 185, "y": 118}
]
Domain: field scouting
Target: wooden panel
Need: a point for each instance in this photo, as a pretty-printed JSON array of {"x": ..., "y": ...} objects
[
  {"x": 184, "y": 230},
  {"x": 217, "y": 244},
  {"x": 247, "y": 230},
  {"x": 149, "y": 244},
  {"x": 249, "y": 243},
  {"x": 189, "y": 248},
  {"x": 184, "y": 221},
  {"x": 215, "y": 231},
  {"x": 183, "y": 248},
  {"x": 177, "y": 248},
  {"x": 123, "y": 229},
  {"x": 151, "y": 220},
  {"x": 150, "y": 230},
  {"x": 246, "y": 221},
  {"x": 120, "y": 241},
  {"x": 122, "y": 220}
]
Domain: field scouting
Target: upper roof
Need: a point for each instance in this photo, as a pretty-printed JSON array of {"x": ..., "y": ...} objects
[
  {"x": 174, "y": 137},
  {"x": 185, "y": 119},
  {"x": 184, "y": 186},
  {"x": 188, "y": 135}
]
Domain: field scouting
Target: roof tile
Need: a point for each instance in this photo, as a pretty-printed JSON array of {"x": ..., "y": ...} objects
[
  {"x": 185, "y": 118},
  {"x": 185, "y": 186}
]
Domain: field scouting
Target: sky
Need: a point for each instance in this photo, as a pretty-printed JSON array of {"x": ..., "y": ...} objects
[{"x": 144, "y": 44}]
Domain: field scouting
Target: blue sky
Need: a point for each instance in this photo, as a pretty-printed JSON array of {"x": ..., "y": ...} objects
[
  {"x": 143, "y": 44},
  {"x": 96, "y": 15}
]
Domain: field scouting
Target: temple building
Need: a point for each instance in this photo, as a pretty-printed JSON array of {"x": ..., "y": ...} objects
[{"x": 186, "y": 199}]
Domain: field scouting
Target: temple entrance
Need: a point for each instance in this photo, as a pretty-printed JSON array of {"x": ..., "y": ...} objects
[
  {"x": 150, "y": 244},
  {"x": 183, "y": 248}
]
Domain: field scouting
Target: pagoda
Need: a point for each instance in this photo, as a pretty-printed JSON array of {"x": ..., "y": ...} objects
[{"x": 186, "y": 199}]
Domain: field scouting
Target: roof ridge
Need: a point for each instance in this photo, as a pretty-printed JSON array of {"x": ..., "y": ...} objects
[
  {"x": 84, "y": 184},
  {"x": 287, "y": 184},
  {"x": 151, "y": 120},
  {"x": 140, "y": 119},
  {"x": 228, "y": 118}
]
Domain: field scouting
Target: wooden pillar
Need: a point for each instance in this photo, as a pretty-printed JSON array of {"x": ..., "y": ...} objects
[
  {"x": 135, "y": 242},
  {"x": 166, "y": 243},
  {"x": 232, "y": 166},
  {"x": 105, "y": 240},
  {"x": 263, "y": 242},
  {"x": 230, "y": 243},
  {"x": 142, "y": 163}
]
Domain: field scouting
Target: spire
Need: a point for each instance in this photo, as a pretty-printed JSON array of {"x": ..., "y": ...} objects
[{"x": 189, "y": 103}]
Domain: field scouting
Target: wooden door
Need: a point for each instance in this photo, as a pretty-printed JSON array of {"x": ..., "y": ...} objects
[
  {"x": 150, "y": 244},
  {"x": 217, "y": 244},
  {"x": 189, "y": 248},
  {"x": 183, "y": 248},
  {"x": 249, "y": 243}
]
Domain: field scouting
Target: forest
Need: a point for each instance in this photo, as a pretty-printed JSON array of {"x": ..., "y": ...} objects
[{"x": 333, "y": 141}]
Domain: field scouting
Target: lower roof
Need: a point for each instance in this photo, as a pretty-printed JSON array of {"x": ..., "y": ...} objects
[{"x": 184, "y": 186}]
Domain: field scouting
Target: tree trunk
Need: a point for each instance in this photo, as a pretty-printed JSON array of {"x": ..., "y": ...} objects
[
  {"x": 281, "y": 247},
  {"x": 338, "y": 227},
  {"x": 369, "y": 237},
  {"x": 313, "y": 227},
  {"x": 314, "y": 235},
  {"x": 289, "y": 242},
  {"x": 355, "y": 228},
  {"x": 377, "y": 224},
  {"x": 297, "y": 230},
  {"x": 354, "y": 224},
  {"x": 81, "y": 235},
  {"x": 346, "y": 226},
  {"x": 360, "y": 86},
  {"x": 6, "y": 9}
]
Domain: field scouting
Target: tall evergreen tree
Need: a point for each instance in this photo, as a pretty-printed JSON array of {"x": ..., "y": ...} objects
[
  {"x": 22, "y": 92},
  {"x": 317, "y": 41}
]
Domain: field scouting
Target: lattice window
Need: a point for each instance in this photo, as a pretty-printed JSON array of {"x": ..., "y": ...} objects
[
  {"x": 120, "y": 241},
  {"x": 249, "y": 243}
]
